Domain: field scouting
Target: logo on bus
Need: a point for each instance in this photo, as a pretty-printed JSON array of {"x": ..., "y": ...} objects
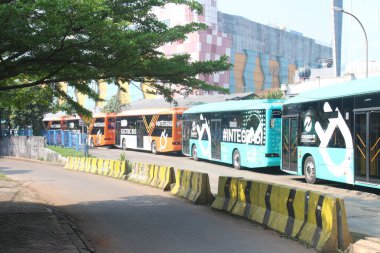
[
  {"x": 308, "y": 123},
  {"x": 247, "y": 136},
  {"x": 343, "y": 168},
  {"x": 308, "y": 136},
  {"x": 163, "y": 140},
  {"x": 128, "y": 131},
  {"x": 205, "y": 129},
  {"x": 99, "y": 124},
  {"x": 164, "y": 123},
  {"x": 253, "y": 135}
]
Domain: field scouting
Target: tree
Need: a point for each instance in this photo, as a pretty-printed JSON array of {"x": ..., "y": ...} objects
[
  {"x": 270, "y": 94},
  {"x": 113, "y": 105},
  {"x": 25, "y": 108},
  {"x": 76, "y": 41}
]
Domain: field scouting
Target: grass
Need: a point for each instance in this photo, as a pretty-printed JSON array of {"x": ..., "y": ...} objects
[
  {"x": 3, "y": 177},
  {"x": 65, "y": 152},
  {"x": 123, "y": 156}
]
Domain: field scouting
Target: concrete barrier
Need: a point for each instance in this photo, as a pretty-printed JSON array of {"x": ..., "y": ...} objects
[
  {"x": 30, "y": 147},
  {"x": 166, "y": 177},
  {"x": 326, "y": 227},
  {"x": 226, "y": 197},
  {"x": 247, "y": 195},
  {"x": 193, "y": 186},
  {"x": 94, "y": 165},
  {"x": 88, "y": 165},
  {"x": 153, "y": 175},
  {"x": 123, "y": 170},
  {"x": 111, "y": 168},
  {"x": 76, "y": 163},
  {"x": 69, "y": 163},
  {"x": 105, "y": 167},
  {"x": 82, "y": 164},
  {"x": 99, "y": 166},
  {"x": 290, "y": 212},
  {"x": 315, "y": 219}
]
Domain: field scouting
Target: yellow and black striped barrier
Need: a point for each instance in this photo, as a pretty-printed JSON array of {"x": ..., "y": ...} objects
[
  {"x": 149, "y": 174},
  {"x": 326, "y": 225},
  {"x": 105, "y": 167},
  {"x": 247, "y": 194},
  {"x": 315, "y": 219},
  {"x": 226, "y": 197},
  {"x": 193, "y": 186}
]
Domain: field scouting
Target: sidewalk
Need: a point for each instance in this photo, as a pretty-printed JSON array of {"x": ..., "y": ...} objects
[{"x": 27, "y": 225}]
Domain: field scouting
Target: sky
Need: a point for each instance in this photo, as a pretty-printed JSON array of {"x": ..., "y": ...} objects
[{"x": 310, "y": 17}]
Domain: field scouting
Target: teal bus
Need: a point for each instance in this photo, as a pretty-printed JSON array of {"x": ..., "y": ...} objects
[
  {"x": 333, "y": 133},
  {"x": 244, "y": 133}
]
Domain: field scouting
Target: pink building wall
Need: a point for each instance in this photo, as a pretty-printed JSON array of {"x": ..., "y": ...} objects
[{"x": 203, "y": 45}]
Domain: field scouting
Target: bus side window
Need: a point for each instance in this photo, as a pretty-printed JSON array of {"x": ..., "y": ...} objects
[
  {"x": 235, "y": 119},
  {"x": 111, "y": 123}
]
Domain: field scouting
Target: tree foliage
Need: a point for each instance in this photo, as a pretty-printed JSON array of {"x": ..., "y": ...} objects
[
  {"x": 113, "y": 105},
  {"x": 25, "y": 108},
  {"x": 271, "y": 94},
  {"x": 76, "y": 41}
]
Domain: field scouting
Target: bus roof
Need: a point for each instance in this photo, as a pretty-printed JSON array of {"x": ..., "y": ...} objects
[
  {"x": 237, "y": 105},
  {"x": 151, "y": 111},
  {"x": 103, "y": 114},
  {"x": 53, "y": 116},
  {"x": 362, "y": 86},
  {"x": 71, "y": 117}
]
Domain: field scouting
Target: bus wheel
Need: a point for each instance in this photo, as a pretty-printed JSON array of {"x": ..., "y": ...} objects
[
  {"x": 236, "y": 159},
  {"x": 194, "y": 152},
  {"x": 310, "y": 170},
  {"x": 124, "y": 144},
  {"x": 154, "y": 148},
  {"x": 92, "y": 143}
]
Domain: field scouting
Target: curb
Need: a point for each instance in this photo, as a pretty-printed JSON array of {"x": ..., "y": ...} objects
[
  {"x": 32, "y": 160},
  {"x": 76, "y": 236}
]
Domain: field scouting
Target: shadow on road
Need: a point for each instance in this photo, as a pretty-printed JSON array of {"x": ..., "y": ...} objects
[
  {"x": 10, "y": 171},
  {"x": 153, "y": 223}
]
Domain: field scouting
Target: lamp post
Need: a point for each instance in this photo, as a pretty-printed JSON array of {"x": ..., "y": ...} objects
[{"x": 338, "y": 9}]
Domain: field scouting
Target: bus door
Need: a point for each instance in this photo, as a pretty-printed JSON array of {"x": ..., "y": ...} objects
[
  {"x": 117, "y": 133},
  {"x": 216, "y": 138},
  {"x": 367, "y": 146},
  {"x": 140, "y": 133},
  {"x": 289, "y": 143},
  {"x": 186, "y": 128}
]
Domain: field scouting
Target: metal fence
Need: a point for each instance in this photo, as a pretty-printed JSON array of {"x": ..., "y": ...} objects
[{"x": 66, "y": 139}]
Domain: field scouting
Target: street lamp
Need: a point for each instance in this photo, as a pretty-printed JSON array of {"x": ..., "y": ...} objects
[{"x": 338, "y": 9}]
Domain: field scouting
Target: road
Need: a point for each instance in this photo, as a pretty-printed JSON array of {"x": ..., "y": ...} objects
[
  {"x": 118, "y": 216},
  {"x": 362, "y": 204}
]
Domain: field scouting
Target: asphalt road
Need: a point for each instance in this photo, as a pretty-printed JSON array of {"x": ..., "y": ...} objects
[
  {"x": 118, "y": 216},
  {"x": 362, "y": 204}
]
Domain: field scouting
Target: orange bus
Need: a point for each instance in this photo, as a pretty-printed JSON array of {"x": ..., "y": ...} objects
[
  {"x": 102, "y": 130},
  {"x": 72, "y": 123},
  {"x": 157, "y": 130},
  {"x": 52, "y": 122}
]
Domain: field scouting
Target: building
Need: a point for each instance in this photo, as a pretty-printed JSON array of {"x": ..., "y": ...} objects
[{"x": 263, "y": 56}]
